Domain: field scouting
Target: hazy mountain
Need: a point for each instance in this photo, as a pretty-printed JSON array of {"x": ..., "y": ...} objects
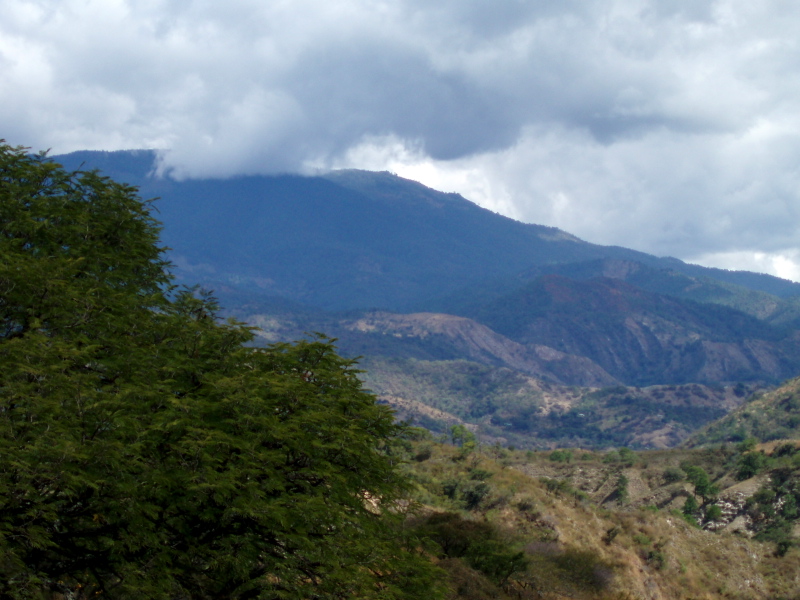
[
  {"x": 463, "y": 315},
  {"x": 639, "y": 337},
  {"x": 355, "y": 239},
  {"x": 773, "y": 415}
]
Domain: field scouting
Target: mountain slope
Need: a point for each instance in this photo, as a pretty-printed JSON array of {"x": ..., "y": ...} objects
[
  {"x": 639, "y": 337},
  {"x": 353, "y": 239},
  {"x": 490, "y": 299},
  {"x": 658, "y": 280},
  {"x": 773, "y": 415}
]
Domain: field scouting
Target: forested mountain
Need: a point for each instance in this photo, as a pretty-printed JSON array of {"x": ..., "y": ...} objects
[
  {"x": 356, "y": 239},
  {"x": 421, "y": 282}
]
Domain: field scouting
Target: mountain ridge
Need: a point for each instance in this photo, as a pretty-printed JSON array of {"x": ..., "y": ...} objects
[
  {"x": 629, "y": 347},
  {"x": 397, "y": 258}
]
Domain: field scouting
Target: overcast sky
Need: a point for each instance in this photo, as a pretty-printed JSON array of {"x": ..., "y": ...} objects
[{"x": 668, "y": 126}]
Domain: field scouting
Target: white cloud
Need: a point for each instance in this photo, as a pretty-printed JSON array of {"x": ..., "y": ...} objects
[
  {"x": 783, "y": 264},
  {"x": 669, "y": 126}
]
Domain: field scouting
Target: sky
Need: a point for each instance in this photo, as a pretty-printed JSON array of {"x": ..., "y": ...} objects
[{"x": 667, "y": 126}]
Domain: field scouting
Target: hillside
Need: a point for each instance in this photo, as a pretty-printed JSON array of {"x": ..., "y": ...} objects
[
  {"x": 438, "y": 370},
  {"x": 577, "y": 524},
  {"x": 502, "y": 406},
  {"x": 769, "y": 416},
  {"x": 657, "y": 280},
  {"x": 534, "y": 337},
  {"x": 639, "y": 337}
]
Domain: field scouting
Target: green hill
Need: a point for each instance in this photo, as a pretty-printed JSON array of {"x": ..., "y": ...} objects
[{"x": 768, "y": 416}]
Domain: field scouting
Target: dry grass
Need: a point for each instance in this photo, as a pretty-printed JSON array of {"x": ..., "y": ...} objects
[{"x": 649, "y": 553}]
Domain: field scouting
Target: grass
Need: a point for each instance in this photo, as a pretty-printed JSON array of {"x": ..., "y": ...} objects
[{"x": 578, "y": 542}]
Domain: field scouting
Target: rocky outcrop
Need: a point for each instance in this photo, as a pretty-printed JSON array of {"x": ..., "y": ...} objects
[
  {"x": 477, "y": 342},
  {"x": 642, "y": 338}
]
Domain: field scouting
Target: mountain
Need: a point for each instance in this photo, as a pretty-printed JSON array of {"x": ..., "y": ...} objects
[
  {"x": 639, "y": 337},
  {"x": 440, "y": 370},
  {"x": 665, "y": 281},
  {"x": 462, "y": 316},
  {"x": 769, "y": 416},
  {"x": 355, "y": 239}
]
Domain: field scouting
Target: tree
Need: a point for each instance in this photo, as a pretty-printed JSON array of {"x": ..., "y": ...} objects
[
  {"x": 751, "y": 464},
  {"x": 690, "y": 507},
  {"x": 703, "y": 486},
  {"x": 147, "y": 451},
  {"x": 621, "y": 488}
]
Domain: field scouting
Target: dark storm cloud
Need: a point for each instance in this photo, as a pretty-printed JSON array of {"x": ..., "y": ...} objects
[{"x": 667, "y": 125}]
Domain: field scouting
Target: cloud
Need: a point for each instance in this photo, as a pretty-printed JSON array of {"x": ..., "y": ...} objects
[{"x": 669, "y": 126}]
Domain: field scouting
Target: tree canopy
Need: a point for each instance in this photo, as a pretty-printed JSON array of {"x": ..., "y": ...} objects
[{"x": 148, "y": 450}]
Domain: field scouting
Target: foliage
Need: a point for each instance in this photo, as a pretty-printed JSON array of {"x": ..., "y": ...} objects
[
  {"x": 561, "y": 456},
  {"x": 478, "y": 542},
  {"x": 621, "y": 489},
  {"x": 582, "y": 569},
  {"x": 713, "y": 513},
  {"x": 751, "y": 464},
  {"x": 690, "y": 506},
  {"x": 703, "y": 486},
  {"x": 771, "y": 416},
  {"x": 673, "y": 475},
  {"x": 774, "y": 508},
  {"x": 563, "y": 487},
  {"x": 624, "y": 456},
  {"x": 147, "y": 450}
]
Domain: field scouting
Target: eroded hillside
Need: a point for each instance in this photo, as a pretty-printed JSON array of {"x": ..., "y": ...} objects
[{"x": 577, "y": 524}]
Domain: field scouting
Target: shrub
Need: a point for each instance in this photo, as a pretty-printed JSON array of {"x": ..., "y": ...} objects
[
  {"x": 621, "y": 489},
  {"x": 673, "y": 475},
  {"x": 751, "y": 464},
  {"x": 473, "y": 493},
  {"x": 561, "y": 456},
  {"x": 423, "y": 453},
  {"x": 713, "y": 513}
]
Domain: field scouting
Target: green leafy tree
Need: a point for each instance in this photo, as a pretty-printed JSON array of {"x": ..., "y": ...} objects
[
  {"x": 713, "y": 513},
  {"x": 703, "y": 486},
  {"x": 751, "y": 464},
  {"x": 690, "y": 507},
  {"x": 146, "y": 451},
  {"x": 621, "y": 488}
]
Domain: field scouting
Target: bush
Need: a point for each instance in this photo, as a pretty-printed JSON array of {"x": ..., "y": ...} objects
[
  {"x": 473, "y": 493},
  {"x": 561, "y": 456},
  {"x": 751, "y": 464},
  {"x": 453, "y": 534},
  {"x": 690, "y": 507},
  {"x": 673, "y": 475},
  {"x": 423, "y": 453},
  {"x": 621, "y": 489},
  {"x": 583, "y": 570},
  {"x": 496, "y": 560}
]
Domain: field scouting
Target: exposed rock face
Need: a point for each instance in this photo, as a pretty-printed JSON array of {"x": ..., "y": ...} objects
[
  {"x": 733, "y": 517},
  {"x": 641, "y": 338},
  {"x": 479, "y": 343}
]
